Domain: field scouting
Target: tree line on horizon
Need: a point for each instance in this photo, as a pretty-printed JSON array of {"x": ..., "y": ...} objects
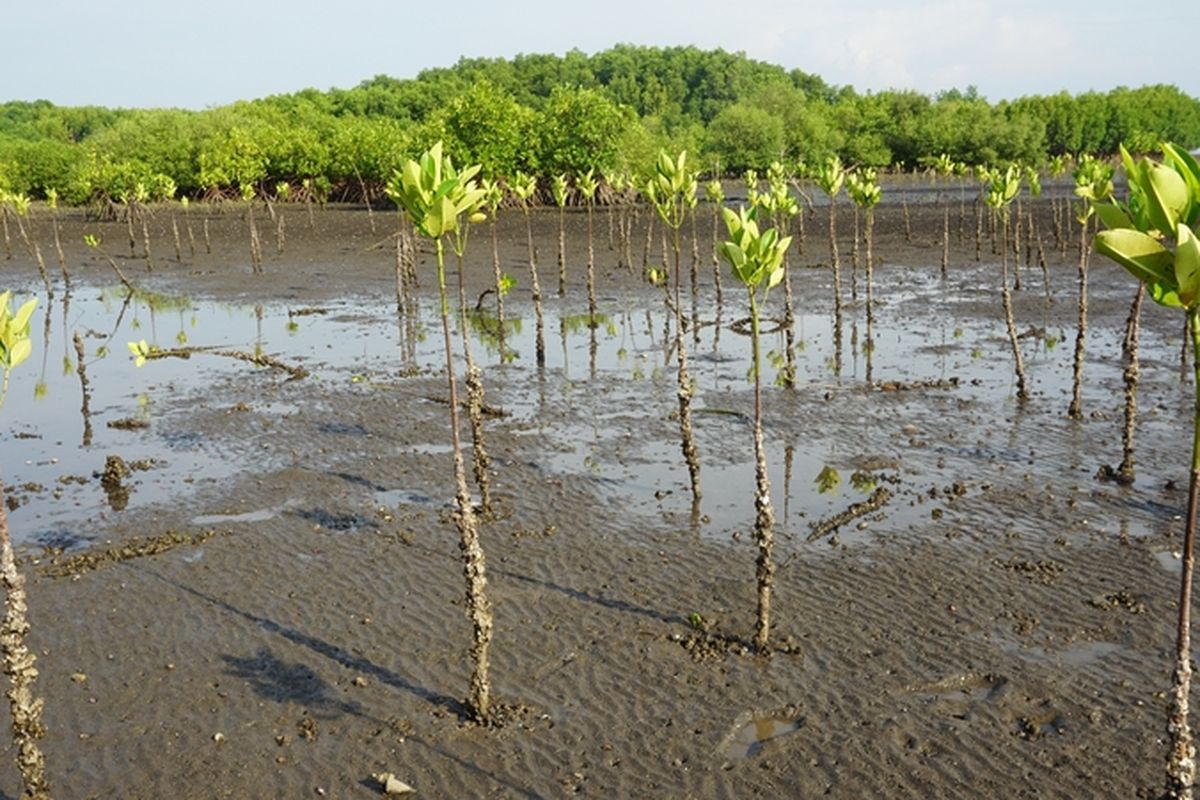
[{"x": 550, "y": 114}]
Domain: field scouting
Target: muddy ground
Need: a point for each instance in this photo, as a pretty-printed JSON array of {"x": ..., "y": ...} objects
[{"x": 1002, "y": 629}]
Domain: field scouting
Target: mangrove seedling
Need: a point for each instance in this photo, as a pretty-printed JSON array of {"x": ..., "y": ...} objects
[
  {"x": 436, "y": 196},
  {"x": 756, "y": 257},
  {"x": 864, "y": 190},
  {"x": 1159, "y": 247},
  {"x": 780, "y": 204},
  {"x": 715, "y": 194},
  {"x": 830, "y": 178},
  {"x": 19, "y": 661},
  {"x": 558, "y": 188},
  {"x": 493, "y": 194},
  {"x": 1002, "y": 190},
  {"x": 587, "y": 185},
  {"x": 1093, "y": 184},
  {"x": 523, "y": 188},
  {"x": 669, "y": 190}
]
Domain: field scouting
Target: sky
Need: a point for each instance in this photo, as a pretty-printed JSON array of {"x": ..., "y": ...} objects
[{"x": 156, "y": 53}]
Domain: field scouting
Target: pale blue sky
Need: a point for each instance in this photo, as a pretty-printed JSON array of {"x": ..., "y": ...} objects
[{"x": 209, "y": 52}]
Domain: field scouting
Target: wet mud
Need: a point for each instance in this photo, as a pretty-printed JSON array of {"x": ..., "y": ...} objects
[{"x": 278, "y": 611}]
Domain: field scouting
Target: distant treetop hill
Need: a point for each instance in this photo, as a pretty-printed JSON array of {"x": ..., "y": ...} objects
[{"x": 550, "y": 115}]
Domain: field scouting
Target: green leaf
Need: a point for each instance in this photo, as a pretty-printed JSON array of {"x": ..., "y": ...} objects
[
  {"x": 1187, "y": 266},
  {"x": 1167, "y": 195},
  {"x": 1112, "y": 215},
  {"x": 1140, "y": 253},
  {"x": 21, "y": 320}
]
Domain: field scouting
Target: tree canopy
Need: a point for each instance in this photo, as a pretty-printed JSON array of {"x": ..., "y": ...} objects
[{"x": 550, "y": 114}]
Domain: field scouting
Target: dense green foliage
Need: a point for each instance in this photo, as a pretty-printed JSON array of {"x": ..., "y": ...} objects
[{"x": 548, "y": 114}]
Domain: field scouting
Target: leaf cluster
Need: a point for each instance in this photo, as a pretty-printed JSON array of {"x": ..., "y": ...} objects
[
  {"x": 1153, "y": 235},
  {"x": 435, "y": 195},
  {"x": 755, "y": 255}
]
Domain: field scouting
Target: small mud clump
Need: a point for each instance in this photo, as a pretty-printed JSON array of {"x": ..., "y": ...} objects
[{"x": 112, "y": 480}]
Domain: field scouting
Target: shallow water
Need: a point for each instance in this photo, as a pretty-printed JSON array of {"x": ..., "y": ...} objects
[{"x": 603, "y": 389}]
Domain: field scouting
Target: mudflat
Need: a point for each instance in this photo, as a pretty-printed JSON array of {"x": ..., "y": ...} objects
[{"x": 278, "y": 608}]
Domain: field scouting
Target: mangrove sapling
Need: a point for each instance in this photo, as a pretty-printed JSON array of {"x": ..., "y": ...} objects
[
  {"x": 864, "y": 190},
  {"x": 1158, "y": 245},
  {"x": 1002, "y": 189},
  {"x": 248, "y": 193},
  {"x": 21, "y": 205},
  {"x": 780, "y": 204},
  {"x": 94, "y": 243},
  {"x": 586, "y": 185},
  {"x": 801, "y": 171},
  {"x": 141, "y": 199},
  {"x": 757, "y": 261},
  {"x": 187, "y": 223},
  {"x": 19, "y": 661},
  {"x": 558, "y": 189},
  {"x": 830, "y": 177},
  {"x": 283, "y": 191},
  {"x": 435, "y": 196},
  {"x": 1057, "y": 167},
  {"x": 523, "y": 187},
  {"x": 52, "y": 203},
  {"x": 714, "y": 194},
  {"x": 669, "y": 191},
  {"x": 1035, "y": 235},
  {"x": 1093, "y": 184},
  {"x": 943, "y": 167},
  {"x": 493, "y": 194}
]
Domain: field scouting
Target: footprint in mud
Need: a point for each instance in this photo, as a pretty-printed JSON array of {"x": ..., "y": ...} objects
[
  {"x": 752, "y": 730},
  {"x": 956, "y": 695}
]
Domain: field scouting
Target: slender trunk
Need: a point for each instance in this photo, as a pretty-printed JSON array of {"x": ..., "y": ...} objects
[
  {"x": 178, "y": 241},
  {"x": 764, "y": 516},
  {"x": 789, "y": 326},
  {"x": 1181, "y": 764},
  {"x": 1075, "y": 411},
  {"x": 499, "y": 281},
  {"x": 946, "y": 243},
  {"x": 36, "y": 253},
  {"x": 688, "y": 442},
  {"x": 19, "y": 665},
  {"x": 480, "y": 462},
  {"x": 907, "y": 220},
  {"x": 145, "y": 242},
  {"x": 279, "y": 234},
  {"x": 1126, "y": 471},
  {"x": 207, "y": 238},
  {"x": 837, "y": 285},
  {"x": 7, "y": 236},
  {"x": 562, "y": 252},
  {"x": 129, "y": 214},
  {"x": 474, "y": 564},
  {"x": 1018, "y": 363},
  {"x": 648, "y": 243},
  {"x": 869, "y": 346},
  {"x": 854, "y": 260},
  {"x": 591, "y": 270},
  {"x": 62, "y": 259},
  {"x": 1016, "y": 247},
  {"x": 978, "y": 230},
  {"x": 536, "y": 286},
  {"x": 716, "y": 261}
]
